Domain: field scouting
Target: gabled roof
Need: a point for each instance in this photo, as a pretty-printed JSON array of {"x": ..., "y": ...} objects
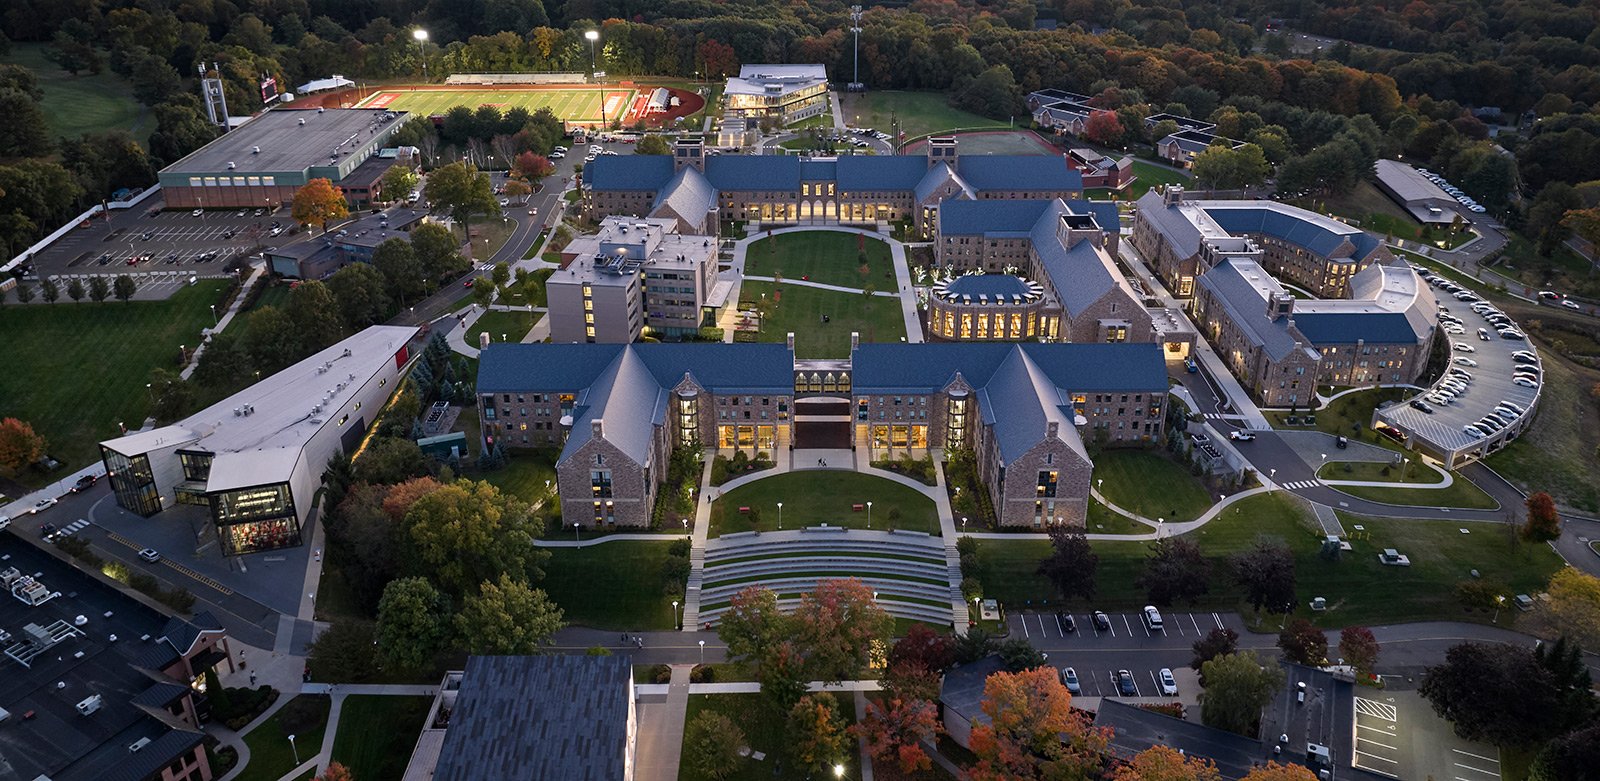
[
  {"x": 819, "y": 170},
  {"x": 159, "y": 695},
  {"x": 628, "y": 172},
  {"x": 719, "y": 368},
  {"x": 962, "y": 688},
  {"x": 539, "y": 717},
  {"x": 1104, "y": 212},
  {"x": 1019, "y": 401},
  {"x": 1079, "y": 275},
  {"x": 937, "y": 176},
  {"x": 1175, "y": 227},
  {"x": 989, "y": 173},
  {"x": 966, "y": 218},
  {"x": 156, "y": 755},
  {"x": 729, "y": 173},
  {"x": 689, "y": 195},
  {"x": 893, "y": 173},
  {"x": 1074, "y": 367},
  {"x": 628, "y": 401},
  {"x": 1242, "y": 287},
  {"x": 1316, "y": 233}
]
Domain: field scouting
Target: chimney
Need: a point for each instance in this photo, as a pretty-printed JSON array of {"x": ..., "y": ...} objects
[
  {"x": 790, "y": 341},
  {"x": 855, "y": 341},
  {"x": 689, "y": 151},
  {"x": 942, "y": 149},
  {"x": 1172, "y": 196},
  {"x": 1052, "y": 429},
  {"x": 597, "y": 428}
]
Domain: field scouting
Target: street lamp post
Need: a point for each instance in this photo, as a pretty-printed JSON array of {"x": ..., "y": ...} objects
[
  {"x": 869, "y": 515},
  {"x": 1499, "y": 602},
  {"x": 702, "y": 652},
  {"x": 963, "y": 524},
  {"x": 575, "y": 537},
  {"x": 214, "y": 321},
  {"x": 780, "y": 516},
  {"x": 296, "y": 751},
  {"x": 675, "y": 614},
  {"x": 422, "y": 49}
]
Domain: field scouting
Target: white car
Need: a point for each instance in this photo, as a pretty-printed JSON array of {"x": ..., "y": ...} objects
[
  {"x": 1152, "y": 618},
  {"x": 150, "y": 555},
  {"x": 1169, "y": 684},
  {"x": 1241, "y": 436},
  {"x": 44, "y": 504},
  {"x": 1463, "y": 347},
  {"x": 1525, "y": 382},
  {"x": 1476, "y": 209},
  {"x": 1069, "y": 678},
  {"x": 1464, "y": 361},
  {"x": 505, "y": 201},
  {"x": 1571, "y": 305}
]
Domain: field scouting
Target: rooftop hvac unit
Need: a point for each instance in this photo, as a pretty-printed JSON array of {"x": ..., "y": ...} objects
[
  {"x": 138, "y": 744},
  {"x": 89, "y": 705},
  {"x": 255, "y": 150},
  {"x": 237, "y": 412},
  {"x": 319, "y": 109}
]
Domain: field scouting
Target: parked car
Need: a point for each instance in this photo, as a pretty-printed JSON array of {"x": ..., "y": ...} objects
[
  {"x": 1241, "y": 436},
  {"x": 197, "y": 212},
  {"x": 150, "y": 555},
  {"x": 1421, "y": 406},
  {"x": 84, "y": 482},
  {"x": 1525, "y": 382},
  {"x": 1069, "y": 679},
  {"x": 1152, "y": 618},
  {"x": 1125, "y": 685},
  {"x": 1191, "y": 366},
  {"x": 1102, "y": 622},
  {"x": 1169, "y": 684},
  {"x": 1065, "y": 619}
]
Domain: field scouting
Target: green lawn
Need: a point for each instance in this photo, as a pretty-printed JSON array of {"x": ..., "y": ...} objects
[
  {"x": 613, "y": 585},
  {"x": 800, "y": 309},
  {"x": 1374, "y": 471},
  {"x": 543, "y": 274},
  {"x": 1559, "y": 454},
  {"x": 82, "y": 104},
  {"x": 524, "y": 475},
  {"x": 1461, "y": 493},
  {"x": 271, "y": 756},
  {"x": 490, "y": 232},
  {"x": 1148, "y": 485},
  {"x": 764, "y": 732},
  {"x": 502, "y": 326},
  {"x": 812, "y": 498},
  {"x": 1348, "y": 415},
  {"x": 828, "y": 257},
  {"x": 76, "y": 370},
  {"x": 1103, "y": 521},
  {"x": 275, "y": 296},
  {"x": 377, "y": 733},
  {"x": 919, "y": 113},
  {"x": 1359, "y": 590}
]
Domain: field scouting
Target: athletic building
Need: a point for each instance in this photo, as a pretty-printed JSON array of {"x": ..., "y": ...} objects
[
  {"x": 263, "y": 162},
  {"x": 1026, "y": 409},
  {"x": 787, "y": 93},
  {"x": 256, "y": 458},
  {"x": 778, "y": 190}
]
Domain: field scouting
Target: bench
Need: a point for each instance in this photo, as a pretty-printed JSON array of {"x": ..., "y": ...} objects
[
  {"x": 744, "y": 511},
  {"x": 858, "y": 507}
]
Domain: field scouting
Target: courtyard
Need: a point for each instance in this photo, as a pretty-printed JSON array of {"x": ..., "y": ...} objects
[{"x": 816, "y": 497}]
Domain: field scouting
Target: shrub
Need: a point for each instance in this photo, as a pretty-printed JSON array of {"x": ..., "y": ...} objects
[
  {"x": 680, "y": 547},
  {"x": 967, "y": 545},
  {"x": 719, "y": 471},
  {"x": 971, "y": 588},
  {"x": 703, "y": 673},
  {"x": 969, "y": 564},
  {"x": 660, "y": 674}
]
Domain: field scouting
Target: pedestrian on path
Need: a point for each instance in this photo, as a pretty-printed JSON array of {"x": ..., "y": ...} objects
[{"x": 252, "y": 678}]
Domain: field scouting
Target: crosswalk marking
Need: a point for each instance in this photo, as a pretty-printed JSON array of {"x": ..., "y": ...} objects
[{"x": 1297, "y": 485}]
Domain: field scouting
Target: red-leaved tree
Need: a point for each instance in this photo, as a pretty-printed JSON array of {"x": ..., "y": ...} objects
[
  {"x": 717, "y": 59},
  {"x": 19, "y": 446},
  {"x": 532, "y": 166},
  {"x": 1543, "y": 523},
  {"x": 894, "y": 732},
  {"x": 1358, "y": 648},
  {"x": 1104, "y": 128},
  {"x": 336, "y": 772}
]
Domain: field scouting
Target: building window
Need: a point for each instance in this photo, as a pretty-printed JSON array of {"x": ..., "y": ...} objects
[
  {"x": 600, "y": 483},
  {"x": 1047, "y": 484}
]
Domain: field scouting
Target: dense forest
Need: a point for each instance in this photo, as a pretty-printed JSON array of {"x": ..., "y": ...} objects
[{"x": 1403, "y": 78}]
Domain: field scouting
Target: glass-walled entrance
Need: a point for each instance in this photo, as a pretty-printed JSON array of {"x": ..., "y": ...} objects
[
  {"x": 259, "y": 518},
  {"x": 132, "y": 482}
]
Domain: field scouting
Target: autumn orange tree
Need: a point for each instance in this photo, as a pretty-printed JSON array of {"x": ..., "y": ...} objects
[
  {"x": 336, "y": 772},
  {"x": 1160, "y": 763},
  {"x": 816, "y": 732},
  {"x": 1276, "y": 772},
  {"x": 1033, "y": 732},
  {"x": 19, "y": 445},
  {"x": 839, "y": 626},
  {"x": 894, "y": 732},
  {"x": 318, "y": 202}
]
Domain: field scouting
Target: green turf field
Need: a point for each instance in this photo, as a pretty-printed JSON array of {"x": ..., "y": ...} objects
[{"x": 576, "y": 105}]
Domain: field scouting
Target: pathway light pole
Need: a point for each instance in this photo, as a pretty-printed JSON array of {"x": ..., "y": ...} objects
[
  {"x": 702, "y": 652},
  {"x": 869, "y": 515},
  {"x": 296, "y": 751},
  {"x": 675, "y": 614},
  {"x": 780, "y": 516}
]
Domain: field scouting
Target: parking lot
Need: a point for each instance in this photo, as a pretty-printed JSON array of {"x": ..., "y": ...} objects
[
  {"x": 1037, "y": 626},
  {"x": 1399, "y": 735},
  {"x": 1097, "y": 654}
]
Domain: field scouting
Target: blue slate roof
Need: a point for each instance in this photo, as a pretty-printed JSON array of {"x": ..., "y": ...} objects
[
  {"x": 1019, "y": 172},
  {"x": 966, "y": 218},
  {"x": 753, "y": 172},
  {"x": 1104, "y": 212},
  {"x": 539, "y": 717},
  {"x": 689, "y": 195},
  {"x": 1311, "y": 233},
  {"x": 1081, "y": 368},
  {"x": 988, "y": 284},
  {"x": 881, "y": 173},
  {"x": 1246, "y": 306},
  {"x": 628, "y": 172},
  {"x": 1078, "y": 275},
  {"x": 630, "y": 403},
  {"x": 1019, "y": 402},
  {"x": 936, "y": 177},
  {"x": 1330, "y": 328},
  {"x": 819, "y": 170},
  {"x": 719, "y": 368}
]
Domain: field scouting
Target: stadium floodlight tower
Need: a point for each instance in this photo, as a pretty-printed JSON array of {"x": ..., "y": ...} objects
[
  {"x": 855, "y": 27},
  {"x": 422, "y": 51},
  {"x": 592, "y": 35}
]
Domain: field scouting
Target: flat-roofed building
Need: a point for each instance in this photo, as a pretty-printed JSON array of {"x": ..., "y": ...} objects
[
  {"x": 256, "y": 458},
  {"x": 321, "y": 256},
  {"x": 1182, "y": 147},
  {"x": 264, "y": 161},
  {"x": 788, "y": 93},
  {"x": 1417, "y": 194},
  {"x": 635, "y": 276}
]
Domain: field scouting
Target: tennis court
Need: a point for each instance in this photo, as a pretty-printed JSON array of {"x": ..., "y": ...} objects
[{"x": 571, "y": 105}]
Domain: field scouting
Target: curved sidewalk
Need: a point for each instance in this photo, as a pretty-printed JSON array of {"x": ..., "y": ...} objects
[{"x": 1164, "y": 529}]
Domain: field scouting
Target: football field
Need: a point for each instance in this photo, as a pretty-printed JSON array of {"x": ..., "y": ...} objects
[{"x": 570, "y": 105}]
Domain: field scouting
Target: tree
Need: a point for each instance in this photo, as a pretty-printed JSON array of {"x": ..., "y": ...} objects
[
  {"x": 711, "y": 743},
  {"x": 318, "y": 202},
  {"x": 1303, "y": 643},
  {"x": 1160, "y": 763},
  {"x": 653, "y": 145},
  {"x": 75, "y": 290},
  {"x": 507, "y": 617},
  {"x": 1018, "y": 654},
  {"x": 816, "y": 732},
  {"x": 468, "y": 532},
  {"x": 1359, "y": 649},
  {"x": 1219, "y": 642},
  {"x": 460, "y": 190},
  {"x": 1574, "y": 756},
  {"x": 1273, "y": 771},
  {"x": 1033, "y": 732},
  {"x": 398, "y": 182},
  {"x": 269, "y": 339},
  {"x": 895, "y": 730},
  {"x": 531, "y": 166},
  {"x": 1543, "y": 523},
  {"x": 397, "y": 261},
  {"x": 1104, "y": 128},
  {"x": 516, "y": 188},
  {"x": 413, "y": 623},
  {"x": 1572, "y": 611},
  {"x": 400, "y": 497},
  {"x": 975, "y": 644},
  {"x": 838, "y": 624},
  {"x": 336, "y": 771},
  {"x": 438, "y": 251},
  {"x": 19, "y": 446},
  {"x": 1071, "y": 565},
  {"x": 173, "y": 396},
  {"x": 24, "y": 293},
  {"x": 344, "y": 650},
  {"x": 1563, "y": 660},
  {"x": 1237, "y": 687},
  {"x": 314, "y": 315},
  {"x": 1220, "y": 167},
  {"x": 1586, "y": 224},
  {"x": 123, "y": 288},
  {"x": 1174, "y": 570},
  {"x": 23, "y": 131},
  {"x": 358, "y": 289},
  {"x": 1162, "y": 129},
  {"x": 1494, "y": 693},
  {"x": 1266, "y": 570},
  {"x": 99, "y": 289},
  {"x": 915, "y": 664},
  {"x": 717, "y": 59}
]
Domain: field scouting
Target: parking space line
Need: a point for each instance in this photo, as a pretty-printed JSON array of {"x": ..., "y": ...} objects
[
  {"x": 1360, "y": 739},
  {"x": 1024, "y": 618},
  {"x": 1375, "y": 756},
  {"x": 1476, "y": 756},
  {"x": 1494, "y": 773},
  {"x": 1218, "y": 619},
  {"x": 1154, "y": 682},
  {"x": 1389, "y": 731},
  {"x": 1129, "y": 626},
  {"x": 1195, "y": 623},
  {"x": 1042, "y": 630}
]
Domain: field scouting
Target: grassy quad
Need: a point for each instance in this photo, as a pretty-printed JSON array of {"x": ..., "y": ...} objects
[
  {"x": 828, "y": 257},
  {"x": 615, "y": 585},
  {"x": 377, "y": 732},
  {"x": 1146, "y": 175},
  {"x": 1150, "y": 486},
  {"x": 525, "y": 476},
  {"x": 812, "y": 498},
  {"x": 919, "y": 113},
  {"x": 799, "y": 310},
  {"x": 76, "y": 370},
  {"x": 765, "y": 731},
  {"x": 501, "y": 326},
  {"x": 1359, "y": 590},
  {"x": 271, "y": 756}
]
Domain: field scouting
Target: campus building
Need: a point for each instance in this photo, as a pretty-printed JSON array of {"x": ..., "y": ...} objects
[
  {"x": 1064, "y": 113},
  {"x": 323, "y": 255},
  {"x": 1101, "y": 170},
  {"x": 100, "y": 686},
  {"x": 787, "y": 93},
  {"x": 255, "y": 459},
  {"x": 635, "y": 276},
  {"x": 1065, "y": 248},
  {"x": 1026, "y": 410},
  {"x": 1182, "y": 147},
  {"x": 531, "y": 717},
  {"x": 778, "y": 190},
  {"x": 264, "y": 161},
  {"x": 1423, "y": 199}
]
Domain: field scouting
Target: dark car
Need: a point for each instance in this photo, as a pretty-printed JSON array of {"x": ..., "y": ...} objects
[
  {"x": 1421, "y": 406},
  {"x": 1067, "y": 624},
  {"x": 1125, "y": 685},
  {"x": 86, "y": 481},
  {"x": 1102, "y": 622},
  {"x": 45, "y": 530}
]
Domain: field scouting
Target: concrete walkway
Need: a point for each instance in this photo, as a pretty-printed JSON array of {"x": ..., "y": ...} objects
[
  {"x": 661, "y": 726},
  {"x": 1163, "y": 529},
  {"x": 821, "y": 286},
  {"x": 602, "y": 539},
  {"x": 256, "y": 273}
]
